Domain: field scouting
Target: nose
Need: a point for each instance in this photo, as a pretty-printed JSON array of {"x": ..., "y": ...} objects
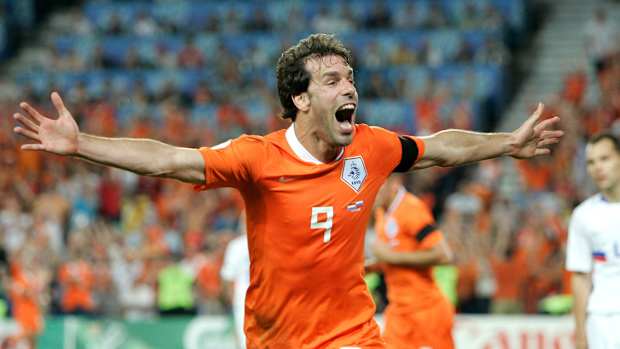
[{"x": 349, "y": 90}]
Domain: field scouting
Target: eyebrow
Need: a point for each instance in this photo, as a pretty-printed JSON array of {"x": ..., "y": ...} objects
[{"x": 335, "y": 73}]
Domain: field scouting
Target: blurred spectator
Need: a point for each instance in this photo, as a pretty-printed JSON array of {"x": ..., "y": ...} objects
[
  {"x": 145, "y": 25},
  {"x": 327, "y": 21},
  {"x": 378, "y": 88},
  {"x": 372, "y": 57},
  {"x": 77, "y": 278},
  {"x": 175, "y": 288},
  {"x": 258, "y": 21},
  {"x": 471, "y": 17},
  {"x": 27, "y": 285},
  {"x": 601, "y": 39},
  {"x": 190, "y": 56},
  {"x": 114, "y": 25},
  {"x": 403, "y": 55},
  {"x": 493, "y": 51},
  {"x": 379, "y": 16},
  {"x": 406, "y": 18},
  {"x": 436, "y": 18}
]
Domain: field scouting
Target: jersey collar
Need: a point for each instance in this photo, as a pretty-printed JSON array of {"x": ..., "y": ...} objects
[{"x": 300, "y": 150}]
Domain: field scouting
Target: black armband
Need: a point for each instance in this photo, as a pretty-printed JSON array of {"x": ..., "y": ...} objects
[
  {"x": 409, "y": 154},
  {"x": 424, "y": 232}
]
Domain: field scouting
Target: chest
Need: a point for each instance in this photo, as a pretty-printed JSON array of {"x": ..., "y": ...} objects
[
  {"x": 319, "y": 204},
  {"x": 392, "y": 231},
  {"x": 603, "y": 228},
  {"x": 605, "y": 237}
]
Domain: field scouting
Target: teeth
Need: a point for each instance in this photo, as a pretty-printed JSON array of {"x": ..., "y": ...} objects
[{"x": 347, "y": 106}]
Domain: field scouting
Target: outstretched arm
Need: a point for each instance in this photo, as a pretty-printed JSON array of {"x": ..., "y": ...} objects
[
  {"x": 143, "y": 156},
  {"x": 460, "y": 147}
]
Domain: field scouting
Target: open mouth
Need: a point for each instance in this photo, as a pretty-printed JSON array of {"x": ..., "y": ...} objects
[{"x": 345, "y": 113}]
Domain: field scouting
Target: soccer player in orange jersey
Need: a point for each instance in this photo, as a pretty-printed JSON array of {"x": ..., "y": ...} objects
[
  {"x": 308, "y": 191},
  {"x": 408, "y": 245}
]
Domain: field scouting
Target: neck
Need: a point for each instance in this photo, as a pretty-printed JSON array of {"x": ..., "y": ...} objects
[
  {"x": 315, "y": 144},
  {"x": 612, "y": 194}
]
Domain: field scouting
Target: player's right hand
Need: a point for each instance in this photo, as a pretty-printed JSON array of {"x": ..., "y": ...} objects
[{"x": 59, "y": 136}]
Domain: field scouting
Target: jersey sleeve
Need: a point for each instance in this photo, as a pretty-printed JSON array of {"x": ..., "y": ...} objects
[
  {"x": 421, "y": 226},
  {"x": 233, "y": 163},
  {"x": 579, "y": 248},
  {"x": 396, "y": 153}
]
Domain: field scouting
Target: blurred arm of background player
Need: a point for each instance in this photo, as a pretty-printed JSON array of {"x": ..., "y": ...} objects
[
  {"x": 438, "y": 254},
  {"x": 460, "y": 147},
  {"x": 388, "y": 199},
  {"x": 582, "y": 285},
  {"x": 142, "y": 156}
]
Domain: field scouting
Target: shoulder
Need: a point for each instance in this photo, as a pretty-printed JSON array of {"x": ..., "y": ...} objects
[
  {"x": 365, "y": 130},
  {"x": 380, "y": 138},
  {"x": 591, "y": 203},
  {"x": 415, "y": 201},
  {"x": 587, "y": 212},
  {"x": 275, "y": 136},
  {"x": 411, "y": 204},
  {"x": 252, "y": 146}
]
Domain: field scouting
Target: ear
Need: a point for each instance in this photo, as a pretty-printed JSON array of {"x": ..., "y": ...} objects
[{"x": 302, "y": 101}]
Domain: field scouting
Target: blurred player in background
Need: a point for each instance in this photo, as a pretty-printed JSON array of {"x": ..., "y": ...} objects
[
  {"x": 235, "y": 275},
  {"x": 407, "y": 247},
  {"x": 308, "y": 191},
  {"x": 593, "y": 252}
]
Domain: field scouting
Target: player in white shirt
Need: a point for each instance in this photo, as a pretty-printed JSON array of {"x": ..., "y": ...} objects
[
  {"x": 235, "y": 275},
  {"x": 593, "y": 252}
]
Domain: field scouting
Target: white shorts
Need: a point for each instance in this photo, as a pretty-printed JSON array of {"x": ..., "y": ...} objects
[{"x": 603, "y": 331}]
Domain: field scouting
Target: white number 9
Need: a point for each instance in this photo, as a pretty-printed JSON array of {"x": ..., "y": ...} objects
[{"x": 326, "y": 224}]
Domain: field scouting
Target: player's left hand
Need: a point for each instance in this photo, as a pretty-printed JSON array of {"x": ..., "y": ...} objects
[
  {"x": 533, "y": 137},
  {"x": 383, "y": 252}
]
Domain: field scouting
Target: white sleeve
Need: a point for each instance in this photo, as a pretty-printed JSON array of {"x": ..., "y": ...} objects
[
  {"x": 579, "y": 248},
  {"x": 230, "y": 266}
]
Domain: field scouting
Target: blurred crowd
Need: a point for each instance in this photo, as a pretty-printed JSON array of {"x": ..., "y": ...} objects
[
  {"x": 508, "y": 221},
  {"x": 81, "y": 239}
]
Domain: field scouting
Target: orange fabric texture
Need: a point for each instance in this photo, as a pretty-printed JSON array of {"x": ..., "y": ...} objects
[
  {"x": 26, "y": 309},
  {"x": 417, "y": 311},
  {"x": 77, "y": 279},
  {"x": 306, "y": 229},
  {"x": 426, "y": 328},
  {"x": 510, "y": 275}
]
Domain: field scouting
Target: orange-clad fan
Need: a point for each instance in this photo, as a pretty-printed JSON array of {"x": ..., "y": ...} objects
[{"x": 25, "y": 291}]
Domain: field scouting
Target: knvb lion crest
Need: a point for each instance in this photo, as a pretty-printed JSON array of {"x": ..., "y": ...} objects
[{"x": 354, "y": 172}]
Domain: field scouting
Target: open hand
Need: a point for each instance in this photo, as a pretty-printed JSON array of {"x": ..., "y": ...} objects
[
  {"x": 533, "y": 138},
  {"x": 58, "y": 136}
]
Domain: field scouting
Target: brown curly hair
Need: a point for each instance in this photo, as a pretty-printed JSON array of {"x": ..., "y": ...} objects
[{"x": 293, "y": 78}]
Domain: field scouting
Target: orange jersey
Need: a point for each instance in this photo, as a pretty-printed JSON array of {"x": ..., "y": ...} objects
[
  {"x": 77, "y": 279},
  {"x": 306, "y": 224},
  {"x": 26, "y": 308},
  {"x": 408, "y": 226},
  {"x": 418, "y": 314}
]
